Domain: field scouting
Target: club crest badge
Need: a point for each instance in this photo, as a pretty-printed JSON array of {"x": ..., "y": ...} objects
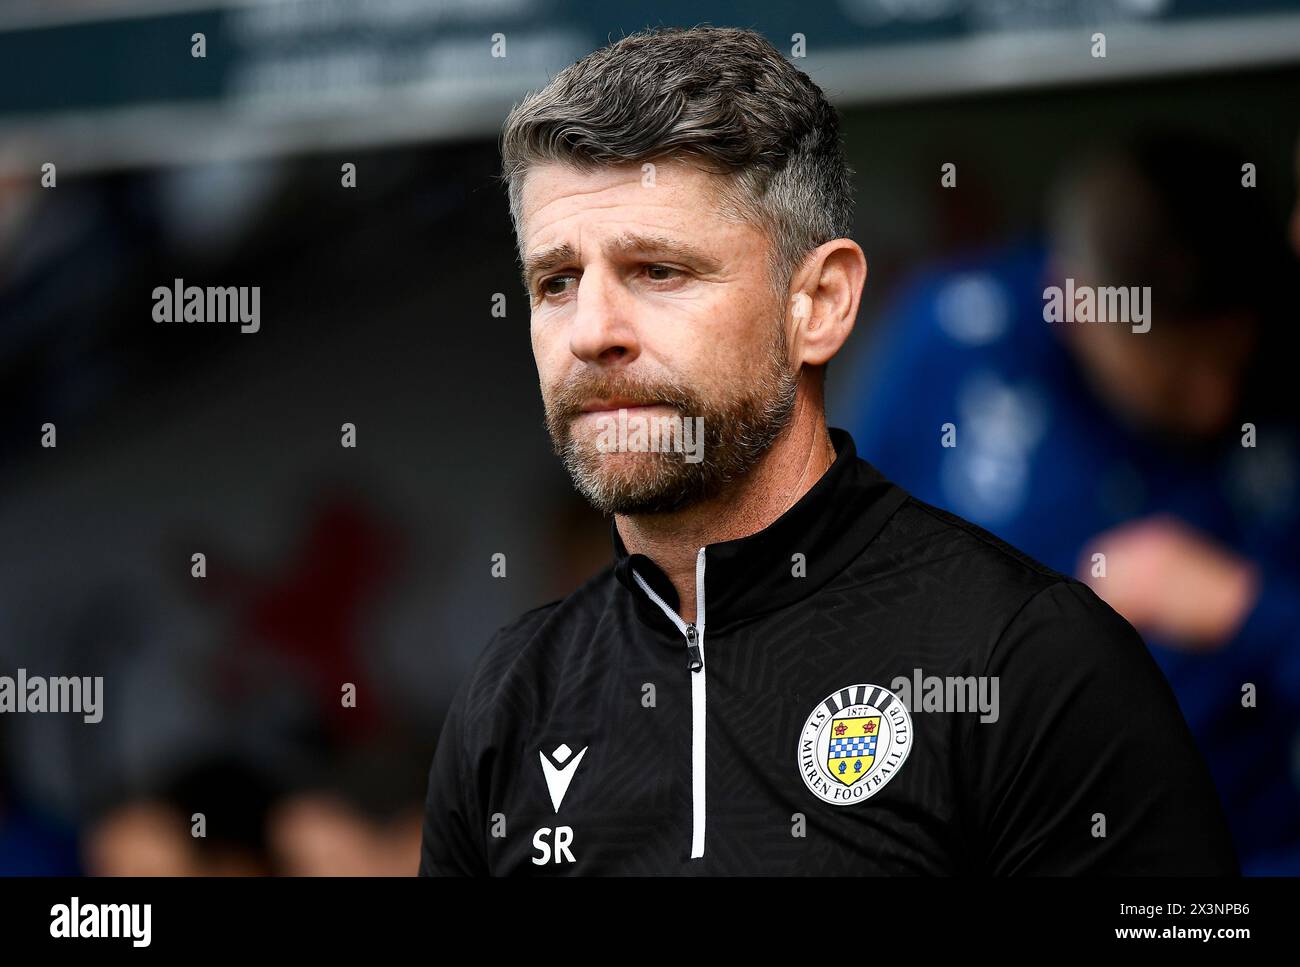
[{"x": 854, "y": 742}]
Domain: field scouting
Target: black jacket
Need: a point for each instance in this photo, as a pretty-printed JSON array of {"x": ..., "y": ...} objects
[{"x": 823, "y": 715}]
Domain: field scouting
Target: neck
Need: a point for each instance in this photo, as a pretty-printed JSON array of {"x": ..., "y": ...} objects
[{"x": 795, "y": 461}]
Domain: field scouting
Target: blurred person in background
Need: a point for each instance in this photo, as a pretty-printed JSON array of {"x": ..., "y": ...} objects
[
  {"x": 152, "y": 832},
  {"x": 1075, "y": 439},
  {"x": 359, "y": 815},
  {"x": 354, "y": 817},
  {"x": 319, "y": 834}
]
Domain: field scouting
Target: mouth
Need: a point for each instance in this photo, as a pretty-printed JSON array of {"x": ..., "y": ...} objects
[{"x": 615, "y": 404}]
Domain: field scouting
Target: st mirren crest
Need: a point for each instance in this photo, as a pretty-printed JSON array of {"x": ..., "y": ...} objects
[
  {"x": 854, "y": 742},
  {"x": 852, "y": 749}
]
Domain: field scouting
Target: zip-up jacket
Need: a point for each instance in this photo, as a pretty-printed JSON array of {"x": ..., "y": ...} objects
[{"x": 871, "y": 685}]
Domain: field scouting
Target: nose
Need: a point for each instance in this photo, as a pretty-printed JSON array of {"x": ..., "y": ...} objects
[{"x": 601, "y": 331}]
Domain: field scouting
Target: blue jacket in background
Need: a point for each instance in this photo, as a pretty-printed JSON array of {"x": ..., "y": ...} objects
[{"x": 1041, "y": 462}]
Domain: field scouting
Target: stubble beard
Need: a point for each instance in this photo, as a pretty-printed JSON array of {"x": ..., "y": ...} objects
[{"x": 737, "y": 432}]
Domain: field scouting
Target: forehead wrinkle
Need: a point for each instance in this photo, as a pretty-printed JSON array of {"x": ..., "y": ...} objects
[
  {"x": 623, "y": 243},
  {"x": 655, "y": 242},
  {"x": 665, "y": 194}
]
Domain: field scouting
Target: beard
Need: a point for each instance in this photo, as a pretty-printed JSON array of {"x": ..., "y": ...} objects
[{"x": 737, "y": 430}]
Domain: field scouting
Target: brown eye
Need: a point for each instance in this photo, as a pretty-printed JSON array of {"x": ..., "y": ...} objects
[
  {"x": 548, "y": 286},
  {"x": 660, "y": 273}
]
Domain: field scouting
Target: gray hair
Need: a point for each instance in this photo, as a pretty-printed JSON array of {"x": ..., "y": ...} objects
[{"x": 722, "y": 99}]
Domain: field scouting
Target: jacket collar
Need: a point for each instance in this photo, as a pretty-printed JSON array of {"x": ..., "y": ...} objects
[{"x": 754, "y": 575}]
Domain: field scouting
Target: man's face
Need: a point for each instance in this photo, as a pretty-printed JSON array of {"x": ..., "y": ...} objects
[
  {"x": 1184, "y": 378},
  {"x": 645, "y": 298}
]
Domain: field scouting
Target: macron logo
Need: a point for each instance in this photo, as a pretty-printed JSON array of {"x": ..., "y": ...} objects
[{"x": 560, "y": 772}]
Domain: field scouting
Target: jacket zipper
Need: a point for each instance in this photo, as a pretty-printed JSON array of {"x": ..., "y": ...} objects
[{"x": 694, "y": 633}]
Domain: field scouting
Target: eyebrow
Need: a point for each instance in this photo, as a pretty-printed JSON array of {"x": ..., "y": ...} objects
[{"x": 628, "y": 243}]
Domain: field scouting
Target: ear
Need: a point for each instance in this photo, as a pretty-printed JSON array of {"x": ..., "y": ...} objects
[{"x": 824, "y": 300}]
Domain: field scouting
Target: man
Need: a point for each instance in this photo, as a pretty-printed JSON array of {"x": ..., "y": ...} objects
[
  {"x": 1155, "y": 457},
  {"x": 791, "y": 666}
]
